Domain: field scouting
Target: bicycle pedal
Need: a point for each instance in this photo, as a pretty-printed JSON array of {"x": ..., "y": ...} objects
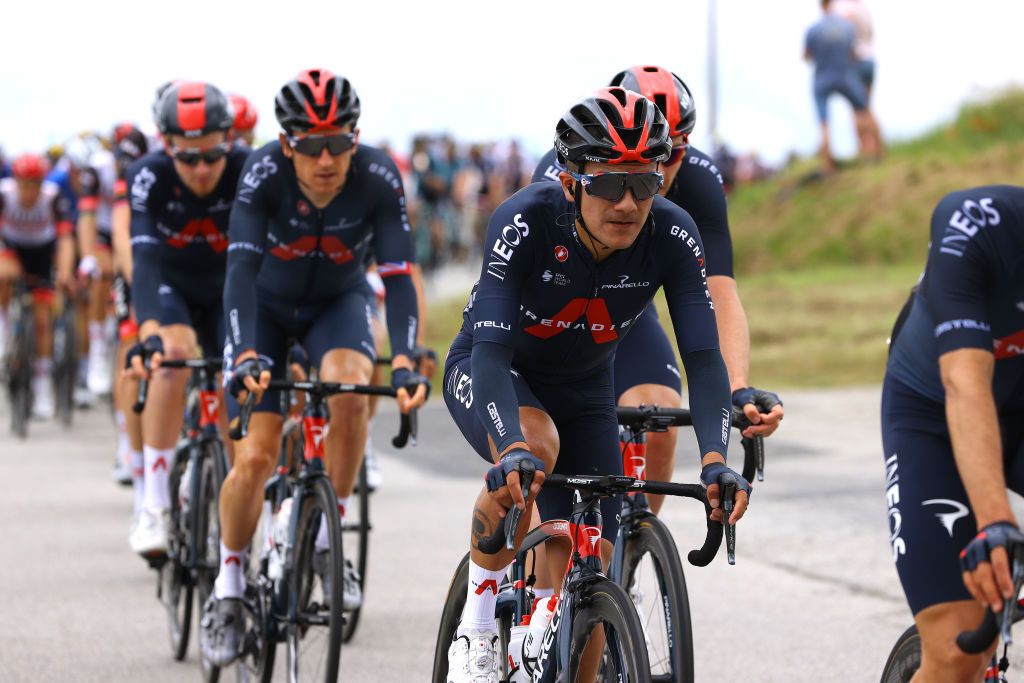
[{"x": 155, "y": 560}]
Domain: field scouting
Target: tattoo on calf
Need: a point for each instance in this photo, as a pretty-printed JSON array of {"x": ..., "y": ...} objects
[{"x": 483, "y": 527}]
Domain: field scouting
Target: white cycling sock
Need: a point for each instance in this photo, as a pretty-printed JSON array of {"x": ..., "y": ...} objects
[
  {"x": 541, "y": 593},
  {"x": 230, "y": 581},
  {"x": 123, "y": 444},
  {"x": 481, "y": 596},
  {"x": 138, "y": 487},
  {"x": 96, "y": 333},
  {"x": 321, "y": 534},
  {"x": 156, "y": 463},
  {"x": 43, "y": 366}
]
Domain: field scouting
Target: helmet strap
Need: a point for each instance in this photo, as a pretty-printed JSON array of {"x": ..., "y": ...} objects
[{"x": 577, "y": 193}]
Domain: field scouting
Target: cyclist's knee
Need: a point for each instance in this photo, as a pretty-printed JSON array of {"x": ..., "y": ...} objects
[
  {"x": 349, "y": 408},
  {"x": 179, "y": 342},
  {"x": 345, "y": 365},
  {"x": 939, "y": 625},
  {"x": 253, "y": 464}
]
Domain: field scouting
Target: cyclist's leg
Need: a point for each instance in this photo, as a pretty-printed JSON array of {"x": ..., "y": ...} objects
[
  {"x": 340, "y": 342},
  {"x": 127, "y": 389},
  {"x": 99, "y": 378},
  {"x": 929, "y": 523},
  {"x": 10, "y": 272},
  {"x": 540, "y": 433},
  {"x": 646, "y": 373},
  {"x": 37, "y": 265}
]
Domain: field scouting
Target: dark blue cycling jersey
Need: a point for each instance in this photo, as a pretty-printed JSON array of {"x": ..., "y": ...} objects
[
  {"x": 293, "y": 258},
  {"x": 178, "y": 239},
  {"x": 698, "y": 189},
  {"x": 560, "y": 315},
  {"x": 971, "y": 294}
]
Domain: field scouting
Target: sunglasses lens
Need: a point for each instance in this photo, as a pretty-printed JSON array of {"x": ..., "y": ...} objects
[
  {"x": 212, "y": 156},
  {"x": 610, "y": 186},
  {"x": 187, "y": 158},
  {"x": 644, "y": 185},
  {"x": 314, "y": 146}
]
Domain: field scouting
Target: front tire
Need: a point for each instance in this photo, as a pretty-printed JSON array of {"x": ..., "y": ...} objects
[
  {"x": 625, "y": 656},
  {"x": 451, "y": 615},
  {"x": 314, "y": 640},
  {"x": 652, "y": 576},
  {"x": 360, "y": 527},
  {"x": 904, "y": 659}
]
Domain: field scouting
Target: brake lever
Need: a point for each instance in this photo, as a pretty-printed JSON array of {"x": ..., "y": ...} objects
[
  {"x": 728, "y": 493},
  {"x": 515, "y": 514}
]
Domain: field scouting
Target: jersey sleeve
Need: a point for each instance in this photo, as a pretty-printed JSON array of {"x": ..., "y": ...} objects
[
  {"x": 145, "y": 240},
  {"x": 958, "y": 276},
  {"x": 247, "y": 236},
  {"x": 702, "y": 194},
  {"x": 508, "y": 257},
  {"x": 696, "y": 330},
  {"x": 548, "y": 168},
  {"x": 61, "y": 209},
  {"x": 393, "y": 250}
]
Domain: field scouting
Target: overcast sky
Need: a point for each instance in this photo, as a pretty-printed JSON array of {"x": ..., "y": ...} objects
[{"x": 484, "y": 70}]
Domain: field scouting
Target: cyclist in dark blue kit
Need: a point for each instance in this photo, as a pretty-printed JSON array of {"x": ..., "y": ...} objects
[
  {"x": 646, "y": 371},
  {"x": 953, "y": 424},
  {"x": 570, "y": 268},
  {"x": 180, "y": 201},
  {"x": 310, "y": 206}
]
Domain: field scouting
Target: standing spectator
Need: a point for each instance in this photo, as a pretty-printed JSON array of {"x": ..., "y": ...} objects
[
  {"x": 829, "y": 44},
  {"x": 856, "y": 12}
]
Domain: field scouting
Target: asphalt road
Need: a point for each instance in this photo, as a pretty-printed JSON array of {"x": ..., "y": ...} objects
[{"x": 813, "y": 596}]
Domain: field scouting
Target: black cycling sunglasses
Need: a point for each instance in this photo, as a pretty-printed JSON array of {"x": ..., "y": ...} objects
[
  {"x": 192, "y": 156},
  {"x": 612, "y": 186},
  {"x": 313, "y": 145}
]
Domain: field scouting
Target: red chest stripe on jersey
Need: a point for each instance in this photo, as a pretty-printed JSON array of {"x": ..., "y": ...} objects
[
  {"x": 1010, "y": 346},
  {"x": 599, "y": 321},
  {"x": 217, "y": 240},
  {"x": 335, "y": 249}
]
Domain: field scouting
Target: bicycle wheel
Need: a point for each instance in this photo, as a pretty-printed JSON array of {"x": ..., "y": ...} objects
[
  {"x": 65, "y": 351},
  {"x": 260, "y": 640},
  {"x": 625, "y": 659},
  {"x": 450, "y": 617},
  {"x": 206, "y": 531},
  {"x": 314, "y": 638},
  {"x": 652, "y": 576},
  {"x": 357, "y": 523},
  {"x": 23, "y": 345},
  {"x": 175, "y": 583},
  {"x": 905, "y": 658}
]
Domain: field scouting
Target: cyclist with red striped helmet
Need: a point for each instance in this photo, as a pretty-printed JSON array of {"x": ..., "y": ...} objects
[
  {"x": 646, "y": 371},
  {"x": 529, "y": 379},
  {"x": 181, "y": 199},
  {"x": 310, "y": 207},
  {"x": 244, "y": 127},
  {"x": 35, "y": 230}
]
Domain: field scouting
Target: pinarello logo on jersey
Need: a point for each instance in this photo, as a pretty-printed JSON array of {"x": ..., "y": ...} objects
[
  {"x": 303, "y": 208},
  {"x": 561, "y": 254}
]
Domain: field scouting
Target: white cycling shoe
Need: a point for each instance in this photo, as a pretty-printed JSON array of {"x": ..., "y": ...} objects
[
  {"x": 42, "y": 397},
  {"x": 149, "y": 536},
  {"x": 473, "y": 658},
  {"x": 98, "y": 378}
]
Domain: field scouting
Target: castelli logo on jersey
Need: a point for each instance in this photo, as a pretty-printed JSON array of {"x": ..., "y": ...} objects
[
  {"x": 303, "y": 208},
  {"x": 561, "y": 253}
]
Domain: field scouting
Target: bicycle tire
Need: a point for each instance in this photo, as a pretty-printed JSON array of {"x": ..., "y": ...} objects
[
  {"x": 666, "y": 620},
  {"x": 206, "y": 531},
  {"x": 65, "y": 346},
  {"x": 454, "y": 603},
  {"x": 20, "y": 367},
  {"x": 259, "y": 651},
  {"x": 176, "y": 587},
  {"x": 905, "y": 658},
  {"x": 605, "y": 602},
  {"x": 361, "y": 527},
  {"x": 320, "y": 503}
]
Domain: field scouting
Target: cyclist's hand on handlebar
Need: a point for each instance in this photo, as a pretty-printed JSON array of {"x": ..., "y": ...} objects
[
  {"x": 151, "y": 350},
  {"x": 504, "y": 479},
  {"x": 250, "y": 374},
  {"x": 412, "y": 388},
  {"x": 426, "y": 360},
  {"x": 986, "y": 566},
  {"x": 713, "y": 476},
  {"x": 763, "y": 409}
]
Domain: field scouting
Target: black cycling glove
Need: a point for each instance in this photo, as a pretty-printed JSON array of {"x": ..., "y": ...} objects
[
  {"x": 719, "y": 473},
  {"x": 403, "y": 377},
  {"x": 763, "y": 400},
  {"x": 995, "y": 535},
  {"x": 250, "y": 367},
  {"x": 143, "y": 350},
  {"x": 516, "y": 460}
]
